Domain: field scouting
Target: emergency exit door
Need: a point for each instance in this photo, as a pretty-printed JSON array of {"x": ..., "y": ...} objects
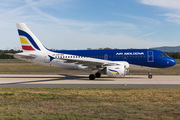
[{"x": 150, "y": 56}]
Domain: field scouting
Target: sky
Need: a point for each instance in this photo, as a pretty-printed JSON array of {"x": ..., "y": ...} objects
[{"x": 82, "y": 24}]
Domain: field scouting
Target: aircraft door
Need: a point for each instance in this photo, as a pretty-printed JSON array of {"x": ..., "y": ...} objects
[{"x": 150, "y": 56}]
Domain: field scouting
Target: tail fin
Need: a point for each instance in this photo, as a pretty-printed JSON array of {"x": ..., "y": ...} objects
[{"x": 28, "y": 40}]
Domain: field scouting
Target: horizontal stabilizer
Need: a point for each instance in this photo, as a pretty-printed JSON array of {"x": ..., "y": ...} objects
[{"x": 22, "y": 55}]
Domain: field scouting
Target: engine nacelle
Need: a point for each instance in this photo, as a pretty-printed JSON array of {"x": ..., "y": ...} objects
[{"x": 116, "y": 71}]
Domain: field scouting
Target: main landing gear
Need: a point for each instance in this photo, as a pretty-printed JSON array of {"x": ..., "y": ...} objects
[
  {"x": 98, "y": 75},
  {"x": 149, "y": 74},
  {"x": 93, "y": 76}
]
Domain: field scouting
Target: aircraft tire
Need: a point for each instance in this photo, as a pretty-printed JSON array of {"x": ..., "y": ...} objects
[
  {"x": 91, "y": 77},
  {"x": 149, "y": 76},
  {"x": 98, "y": 75}
]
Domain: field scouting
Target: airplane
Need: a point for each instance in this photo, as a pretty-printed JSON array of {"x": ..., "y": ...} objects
[{"x": 113, "y": 63}]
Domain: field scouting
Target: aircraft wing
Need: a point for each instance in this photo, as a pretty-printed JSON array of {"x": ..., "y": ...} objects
[
  {"x": 94, "y": 63},
  {"x": 85, "y": 63}
]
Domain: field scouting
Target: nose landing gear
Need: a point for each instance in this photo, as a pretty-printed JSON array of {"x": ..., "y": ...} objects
[{"x": 149, "y": 74}]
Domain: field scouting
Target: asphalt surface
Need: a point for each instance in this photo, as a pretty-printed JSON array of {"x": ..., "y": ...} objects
[{"x": 82, "y": 81}]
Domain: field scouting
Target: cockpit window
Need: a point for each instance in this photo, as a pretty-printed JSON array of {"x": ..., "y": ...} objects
[
  {"x": 166, "y": 55},
  {"x": 163, "y": 55}
]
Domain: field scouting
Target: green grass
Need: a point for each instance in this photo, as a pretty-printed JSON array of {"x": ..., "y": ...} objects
[
  {"x": 36, "y": 69},
  {"x": 40, "y": 69},
  {"x": 12, "y": 61},
  {"x": 80, "y": 104},
  {"x": 175, "y": 70},
  {"x": 178, "y": 61}
]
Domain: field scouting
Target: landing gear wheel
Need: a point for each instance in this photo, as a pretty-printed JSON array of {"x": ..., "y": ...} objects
[
  {"x": 98, "y": 75},
  {"x": 92, "y": 77},
  {"x": 149, "y": 76}
]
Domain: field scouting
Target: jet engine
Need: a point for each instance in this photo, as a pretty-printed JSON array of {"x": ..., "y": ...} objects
[{"x": 116, "y": 71}]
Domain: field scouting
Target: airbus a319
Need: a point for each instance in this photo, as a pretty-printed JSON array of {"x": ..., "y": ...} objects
[{"x": 113, "y": 63}]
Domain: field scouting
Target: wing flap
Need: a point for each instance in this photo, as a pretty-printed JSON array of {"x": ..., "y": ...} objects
[{"x": 84, "y": 61}]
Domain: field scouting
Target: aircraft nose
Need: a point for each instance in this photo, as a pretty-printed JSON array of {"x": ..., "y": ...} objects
[{"x": 171, "y": 62}]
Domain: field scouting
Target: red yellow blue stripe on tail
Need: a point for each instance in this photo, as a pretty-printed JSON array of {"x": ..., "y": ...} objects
[
  {"x": 25, "y": 44},
  {"x": 27, "y": 41}
]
